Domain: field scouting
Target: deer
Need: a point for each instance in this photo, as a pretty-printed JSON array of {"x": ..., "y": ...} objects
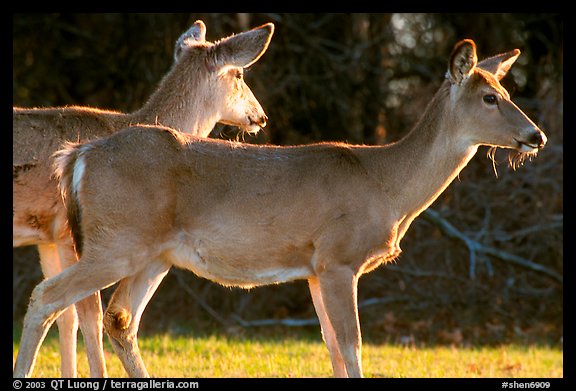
[
  {"x": 204, "y": 86},
  {"x": 327, "y": 212}
]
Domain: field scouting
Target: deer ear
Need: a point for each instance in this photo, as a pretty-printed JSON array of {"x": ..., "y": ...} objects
[
  {"x": 500, "y": 64},
  {"x": 462, "y": 61},
  {"x": 195, "y": 34},
  {"x": 242, "y": 50}
]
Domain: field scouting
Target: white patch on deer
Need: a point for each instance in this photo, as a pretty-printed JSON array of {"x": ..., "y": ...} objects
[{"x": 79, "y": 168}]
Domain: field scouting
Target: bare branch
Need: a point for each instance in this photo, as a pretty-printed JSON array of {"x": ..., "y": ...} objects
[
  {"x": 529, "y": 230},
  {"x": 473, "y": 246},
  {"x": 200, "y": 301},
  {"x": 291, "y": 322}
]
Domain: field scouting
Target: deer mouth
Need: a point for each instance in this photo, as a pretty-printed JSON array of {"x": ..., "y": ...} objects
[
  {"x": 250, "y": 128},
  {"x": 252, "y": 125},
  {"x": 253, "y": 128},
  {"x": 524, "y": 146}
]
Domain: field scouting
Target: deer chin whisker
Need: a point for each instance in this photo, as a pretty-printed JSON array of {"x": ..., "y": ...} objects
[
  {"x": 250, "y": 129},
  {"x": 491, "y": 154},
  {"x": 517, "y": 158}
]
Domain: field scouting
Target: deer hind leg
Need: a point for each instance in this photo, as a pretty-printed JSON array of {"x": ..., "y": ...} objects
[
  {"x": 90, "y": 319},
  {"x": 51, "y": 297},
  {"x": 337, "y": 288},
  {"x": 68, "y": 321},
  {"x": 122, "y": 318}
]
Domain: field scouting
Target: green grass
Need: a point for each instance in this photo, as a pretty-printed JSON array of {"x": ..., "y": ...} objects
[{"x": 186, "y": 355}]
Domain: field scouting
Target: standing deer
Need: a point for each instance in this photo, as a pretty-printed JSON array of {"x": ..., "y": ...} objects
[
  {"x": 204, "y": 86},
  {"x": 326, "y": 212}
]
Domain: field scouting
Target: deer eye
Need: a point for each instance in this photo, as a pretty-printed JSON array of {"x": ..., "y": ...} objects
[{"x": 490, "y": 99}]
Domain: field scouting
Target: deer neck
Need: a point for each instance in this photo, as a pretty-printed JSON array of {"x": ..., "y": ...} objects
[
  {"x": 419, "y": 167},
  {"x": 178, "y": 103}
]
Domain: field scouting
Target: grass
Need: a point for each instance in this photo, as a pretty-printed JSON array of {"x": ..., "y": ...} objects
[{"x": 200, "y": 356}]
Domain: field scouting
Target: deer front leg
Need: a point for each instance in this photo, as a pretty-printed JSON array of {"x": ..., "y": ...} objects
[
  {"x": 67, "y": 322},
  {"x": 327, "y": 330},
  {"x": 91, "y": 324},
  {"x": 89, "y": 312},
  {"x": 49, "y": 299},
  {"x": 338, "y": 288},
  {"x": 122, "y": 318}
]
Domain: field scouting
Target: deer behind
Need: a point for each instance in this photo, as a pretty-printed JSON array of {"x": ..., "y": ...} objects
[
  {"x": 327, "y": 213},
  {"x": 204, "y": 86}
]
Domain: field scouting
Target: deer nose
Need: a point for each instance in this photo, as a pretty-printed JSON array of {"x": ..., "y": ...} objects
[
  {"x": 539, "y": 139},
  {"x": 260, "y": 121}
]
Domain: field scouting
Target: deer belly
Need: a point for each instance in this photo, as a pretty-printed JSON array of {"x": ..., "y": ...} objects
[
  {"x": 234, "y": 269},
  {"x": 29, "y": 232},
  {"x": 25, "y": 236}
]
